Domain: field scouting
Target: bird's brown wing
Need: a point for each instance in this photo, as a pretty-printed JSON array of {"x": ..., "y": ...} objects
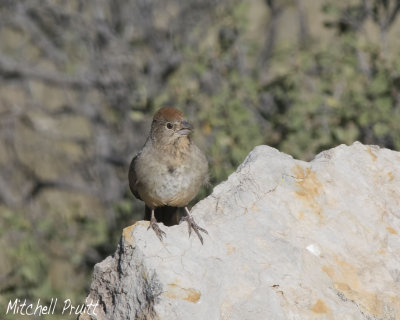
[{"x": 132, "y": 178}]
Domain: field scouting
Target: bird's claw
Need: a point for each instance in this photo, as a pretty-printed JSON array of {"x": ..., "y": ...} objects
[
  {"x": 193, "y": 225},
  {"x": 154, "y": 225}
]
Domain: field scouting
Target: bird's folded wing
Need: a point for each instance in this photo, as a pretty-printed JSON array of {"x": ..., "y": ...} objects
[{"x": 133, "y": 178}]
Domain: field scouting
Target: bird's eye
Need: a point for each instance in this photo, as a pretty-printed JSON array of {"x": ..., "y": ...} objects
[{"x": 169, "y": 125}]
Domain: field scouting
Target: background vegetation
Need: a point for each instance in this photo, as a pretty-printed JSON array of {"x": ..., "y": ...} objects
[{"x": 80, "y": 81}]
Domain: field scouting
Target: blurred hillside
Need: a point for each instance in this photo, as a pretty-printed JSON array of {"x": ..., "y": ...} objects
[{"x": 80, "y": 81}]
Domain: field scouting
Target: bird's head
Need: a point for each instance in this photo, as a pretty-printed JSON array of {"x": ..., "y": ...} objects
[{"x": 170, "y": 128}]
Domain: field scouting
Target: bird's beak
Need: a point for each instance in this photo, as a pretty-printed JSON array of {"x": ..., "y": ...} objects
[{"x": 185, "y": 128}]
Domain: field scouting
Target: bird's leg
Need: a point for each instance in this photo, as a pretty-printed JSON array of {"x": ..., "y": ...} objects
[
  {"x": 193, "y": 225},
  {"x": 154, "y": 225}
]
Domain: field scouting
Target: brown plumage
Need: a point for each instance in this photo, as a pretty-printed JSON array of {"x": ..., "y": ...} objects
[{"x": 170, "y": 169}]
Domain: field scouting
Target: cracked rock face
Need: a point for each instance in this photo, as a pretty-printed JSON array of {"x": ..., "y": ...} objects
[{"x": 287, "y": 240}]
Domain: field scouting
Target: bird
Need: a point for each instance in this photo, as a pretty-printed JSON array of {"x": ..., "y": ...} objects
[{"x": 170, "y": 169}]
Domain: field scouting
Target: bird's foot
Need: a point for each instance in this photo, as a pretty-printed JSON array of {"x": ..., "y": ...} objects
[
  {"x": 154, "y": 225},
  {"x": 193, "y": 225}
]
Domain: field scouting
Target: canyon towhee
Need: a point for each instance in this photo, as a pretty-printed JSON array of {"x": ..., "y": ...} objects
[{"x": 170, "y": 169}]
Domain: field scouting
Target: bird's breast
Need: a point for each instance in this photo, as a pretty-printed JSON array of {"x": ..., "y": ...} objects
[{"x": 173, "y": 183}]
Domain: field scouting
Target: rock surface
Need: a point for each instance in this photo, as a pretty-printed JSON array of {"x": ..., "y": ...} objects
[{"x": 287, "y": 240}]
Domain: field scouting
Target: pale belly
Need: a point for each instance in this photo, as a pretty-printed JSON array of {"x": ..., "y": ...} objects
[{"x": 172, "y": 186}]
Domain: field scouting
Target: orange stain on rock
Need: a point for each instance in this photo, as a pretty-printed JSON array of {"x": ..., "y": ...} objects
[
  {"x": 349, "y": 273},
  {"x": 328, "y": 270},
  {"x": 341, "y": 286},
  {"x": 320, "y": 307},
  {"x": 382, "y": 251},
  {"x": 127, "y": 232},
  {"x": 175, "y": 291},
  {"x": 391, "y": 230},
  {"x": 309, "y": 188},
  {"x": 345, "y": 277},
  {"x": 254, "y": 207},
  {"x": 229, "y": 249},
  {"x": 373, "y": 155}
]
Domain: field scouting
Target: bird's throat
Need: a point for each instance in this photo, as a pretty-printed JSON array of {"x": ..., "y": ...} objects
[{"x": 178, "y": 149}]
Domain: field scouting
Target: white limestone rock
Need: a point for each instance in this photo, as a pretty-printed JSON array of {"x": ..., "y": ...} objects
[{"x": 287, "y": 240}]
